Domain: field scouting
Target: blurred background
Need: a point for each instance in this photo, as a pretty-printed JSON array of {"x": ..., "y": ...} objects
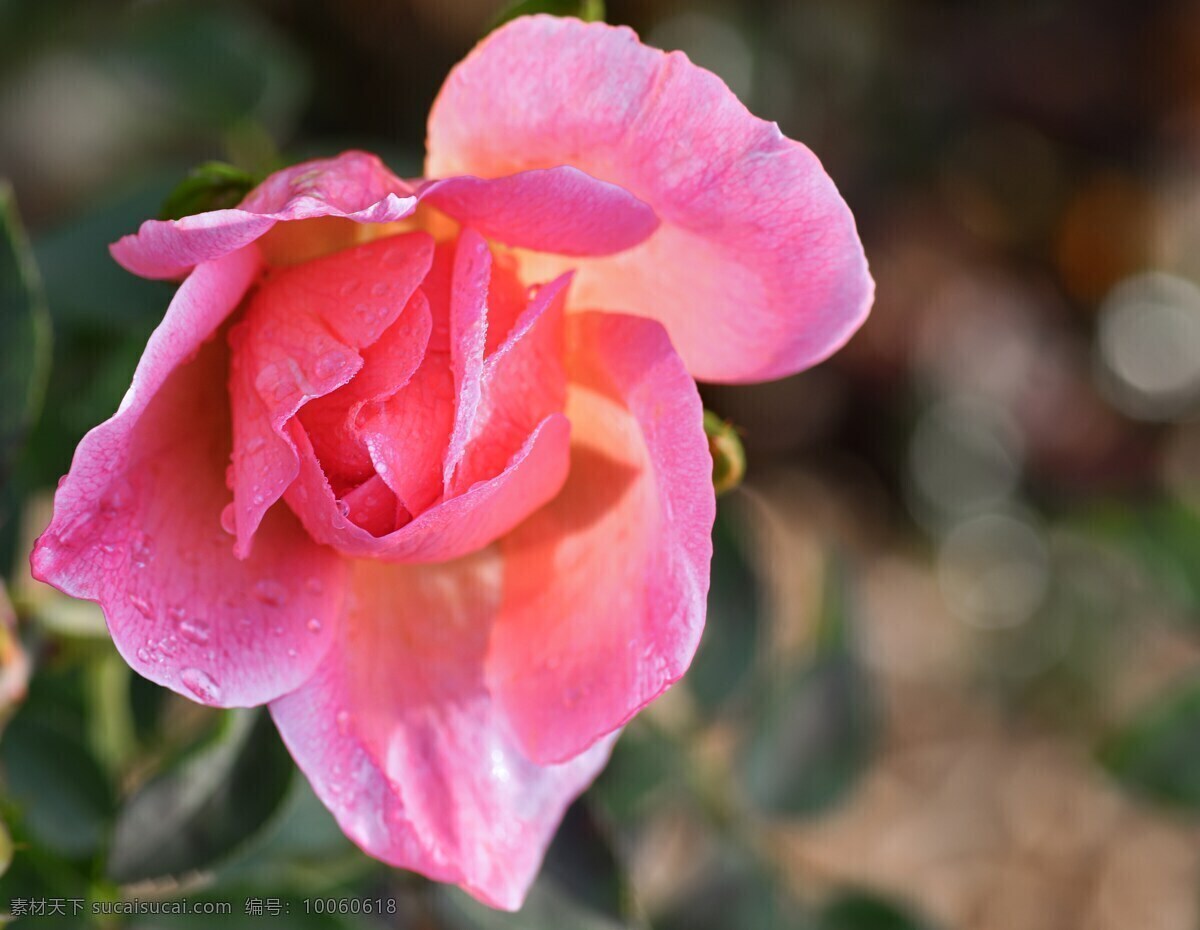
[{"x": 951, "y": 677}]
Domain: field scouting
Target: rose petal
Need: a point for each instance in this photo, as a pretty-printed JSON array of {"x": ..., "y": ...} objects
[
  {"x": 388, "y": 365},
  {"x": 400, "y": 739},
  {"x": 451, "y": 528},
  {"x": 301, "y": 338},
  {"x": 560, "y": 209},
  {"x": 756, "y": 270},
  {"x": 605, "y": 588},
  {"x": 137, "y": 526},
  {"x": 523, "y": 381},
  {"x": 468, "y": 336},
  {"x": 354, "y": 185}
]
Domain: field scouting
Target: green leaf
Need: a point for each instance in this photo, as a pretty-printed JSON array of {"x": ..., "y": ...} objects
[
  {"x": 205, "y": 807},
  {"x": 590, "y": 11},
  {"x": 815, "y": 736},
  {"x": 303, "y": 851},
  {"x": 1157, "y": 755},
  {"x": 1164, "y": 537},
  {"x": 735, "y": 892},
  {"x": 24, "y": 334},
  {"x": 207, "y": 66},
  {"x": 642, "y": 765},
  {"x": 731, "y": 632},
  {"x": 581, "y": 862},
  {"x": 59, "y": 788},
  {"x": 84, "y": 286},
  {"x": 213, "y": 185},
  {"x": 866, "y": 911}
]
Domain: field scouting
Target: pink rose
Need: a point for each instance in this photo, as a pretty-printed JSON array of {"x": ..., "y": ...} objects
[{"x": 421, "y": 465}]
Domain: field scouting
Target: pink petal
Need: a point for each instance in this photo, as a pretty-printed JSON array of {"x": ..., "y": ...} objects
[
  {"x": 605, "y": 588},
  {"x": 354, "y": 185},
  {"x": 137, "y": 525},
  {"x": 388, "y": 365},
  {"x": 450, "y": 528},
  {"x": 300, "y": 339},
  {"x": 400, "y": 739},
  {"x": 523, "y": 382},
  {"x": 407, "y": 434},
  {"x": 756, "y": 270},
  {"x": 558, "y": 209},
  {"x": 468, "y": 336}
]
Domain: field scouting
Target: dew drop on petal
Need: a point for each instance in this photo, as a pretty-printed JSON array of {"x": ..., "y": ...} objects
[
  {"x": 271, "y": 593},
  {"x": 194, "y": 629},
  {"x": 227, "y": 520},
  {"x": 143, "y": 550},
  {"x": 201, "y": 684},
  {"x": 343, "y": 720},
  {"x": 314, "y": 585},
  {"x": 330, "y": 364},
  {"x": 143, "y": 606},
  {"x": 313, "y": 625}
]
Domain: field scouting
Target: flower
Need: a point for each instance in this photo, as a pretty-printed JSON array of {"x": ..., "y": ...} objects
[{"x": 422, "y": 465}]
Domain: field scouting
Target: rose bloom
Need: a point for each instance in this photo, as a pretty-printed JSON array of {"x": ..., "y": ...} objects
[{"x": 421, "y": 466}]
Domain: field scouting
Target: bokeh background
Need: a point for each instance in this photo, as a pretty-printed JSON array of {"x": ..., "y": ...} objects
[{"x": 951, "y": 677}]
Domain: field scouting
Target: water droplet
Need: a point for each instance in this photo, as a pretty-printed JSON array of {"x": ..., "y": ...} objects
[
  {"x": 143, "y": 550},
  {"x": 143, "y": 654},
  {"x": 380, "y": 289},
  {"x": 255, "y": 444},
  {"x": 314, "y": 625},
  {"x": 348, "y": 288},
  {"x": 259, "y": 500},
  {"x": 291, "y": 653},
  {"x": 314, "y": 585},
  {"x": 142, "y": 605},
  {"x": 343, "y": 508},
  {"x": 201, "y": 684},
  {"x": 117, "y": 499},
  {"x": 228, "y": 520},
  {"x": 271, "y": 593},
  {"x": 330, "y": 364},
  {"x": 68, "y": 534},
  {"x": 278, "y": 631},
  {"x": 195, "y": 630},
  {"x": 343, "y": 720}
]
